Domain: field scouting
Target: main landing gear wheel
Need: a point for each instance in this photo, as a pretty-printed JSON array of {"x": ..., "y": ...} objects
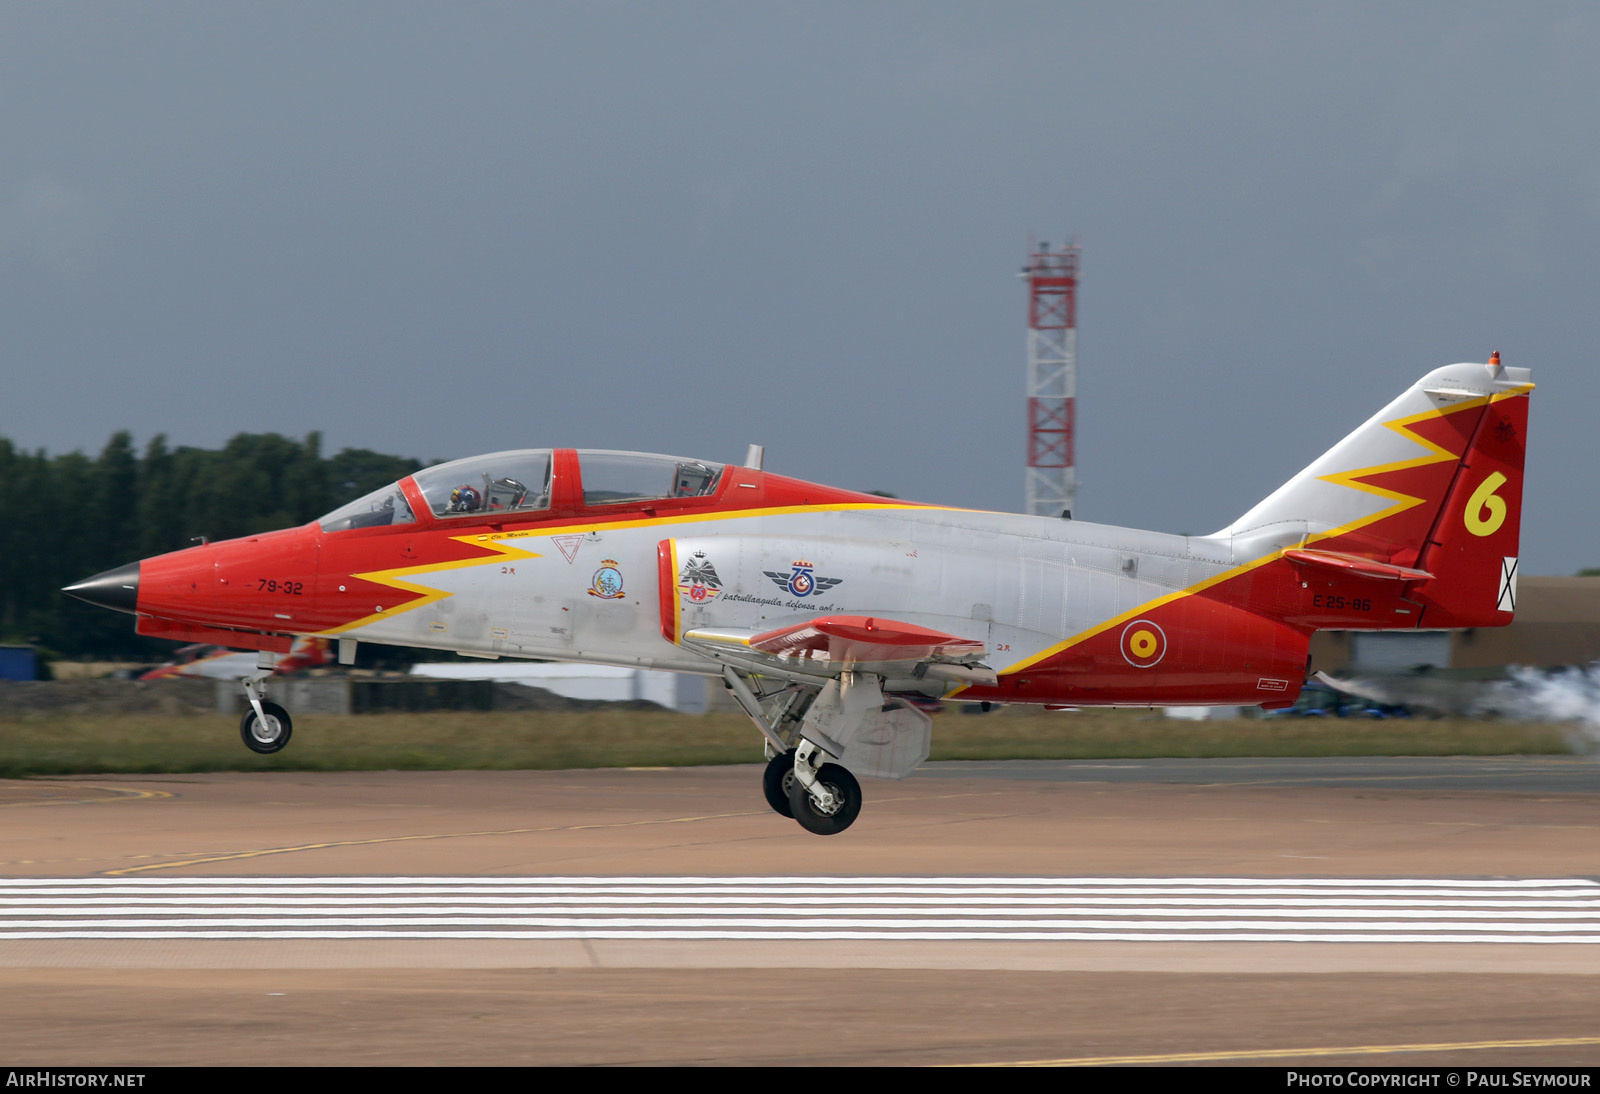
[
  {"x": 776, "y": 781},
  {"x": 267, "y": 736},
  {"x": 846, "y": 792}
]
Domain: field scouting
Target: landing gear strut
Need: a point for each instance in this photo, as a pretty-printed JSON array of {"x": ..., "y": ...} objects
[
  {"x": 824, "y": 798},
  {"x": 265, "y": 727}
]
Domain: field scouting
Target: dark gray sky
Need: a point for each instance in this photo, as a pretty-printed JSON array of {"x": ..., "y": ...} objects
[{"x": 436, "y": 230}]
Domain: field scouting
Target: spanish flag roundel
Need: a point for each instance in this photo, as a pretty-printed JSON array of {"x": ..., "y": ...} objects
[{"x": 1143, "y": 644}]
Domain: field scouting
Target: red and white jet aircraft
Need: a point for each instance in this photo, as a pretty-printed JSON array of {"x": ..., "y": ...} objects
[
  {"x": 829, "y": 614},
  {"x": 221, "y": 663}
]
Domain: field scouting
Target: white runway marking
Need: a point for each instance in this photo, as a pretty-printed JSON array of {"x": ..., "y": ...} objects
[{"x": 888, "y": 909}]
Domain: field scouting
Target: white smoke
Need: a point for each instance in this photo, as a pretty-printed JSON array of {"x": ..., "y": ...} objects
[{"x": 1569, "y": 695}]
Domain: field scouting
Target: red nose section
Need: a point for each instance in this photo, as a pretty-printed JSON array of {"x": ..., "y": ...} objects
[
  {"x": 179, "y": 585},
  {"x": 265, "y": 583}
]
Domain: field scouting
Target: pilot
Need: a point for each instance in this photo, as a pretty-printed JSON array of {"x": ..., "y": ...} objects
[{"x": 465, "y": 499}]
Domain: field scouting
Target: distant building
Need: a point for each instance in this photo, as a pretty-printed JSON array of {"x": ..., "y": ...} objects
[{"x": 1557, "y": 623}]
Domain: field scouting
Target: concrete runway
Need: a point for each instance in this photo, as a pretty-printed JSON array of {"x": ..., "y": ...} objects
[{"x": 594, "y": 1000}]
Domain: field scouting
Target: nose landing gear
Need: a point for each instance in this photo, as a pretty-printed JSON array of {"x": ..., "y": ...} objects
[
  {"x": 268, "y": 731},
  {"x": 265, "y": 727}
]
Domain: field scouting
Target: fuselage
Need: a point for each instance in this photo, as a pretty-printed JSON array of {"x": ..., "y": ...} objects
[
  {"x": 1069, "y": 612},
  {"x": 626, "y": 558}
]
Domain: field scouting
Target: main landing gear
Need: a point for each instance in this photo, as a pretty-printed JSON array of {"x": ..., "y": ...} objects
[
  {"x": 265, "y": 727},
  {"x": 777, "y": 781},
  {"x": 830, "y": 800},
  {"x": 799, "y": 781}
]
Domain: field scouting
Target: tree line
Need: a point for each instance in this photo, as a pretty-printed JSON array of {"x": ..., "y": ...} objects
[{"x": 67, "y": 517}]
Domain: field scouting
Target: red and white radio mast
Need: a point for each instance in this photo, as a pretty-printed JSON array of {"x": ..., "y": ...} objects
[{"x": 1052, "y": 378}]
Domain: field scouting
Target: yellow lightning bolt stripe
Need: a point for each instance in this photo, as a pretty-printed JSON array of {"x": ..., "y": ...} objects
[
  {"x": 493, "y": 542},
  {"x": 1437, "y": 454},
  {"x": 1342, "y": 478}
]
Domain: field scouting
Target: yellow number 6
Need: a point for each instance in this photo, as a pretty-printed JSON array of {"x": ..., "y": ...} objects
[{"x": 1486, "y": 512}]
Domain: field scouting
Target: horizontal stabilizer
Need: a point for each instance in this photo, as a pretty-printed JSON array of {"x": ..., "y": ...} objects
[{"x": 1355, "y": 565}]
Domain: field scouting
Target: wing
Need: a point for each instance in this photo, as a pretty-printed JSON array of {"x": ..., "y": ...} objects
[
  {"x": 852, "y": 639},
  {"x": 833, "y": 644}
]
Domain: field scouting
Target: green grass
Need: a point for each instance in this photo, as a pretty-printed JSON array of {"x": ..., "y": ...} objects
[{"x": 58, "y": 745}]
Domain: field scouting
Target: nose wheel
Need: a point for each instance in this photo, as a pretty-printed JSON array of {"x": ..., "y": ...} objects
[
  {"x": 267, "y": 732},
  {"x": 265, "y": 727}
]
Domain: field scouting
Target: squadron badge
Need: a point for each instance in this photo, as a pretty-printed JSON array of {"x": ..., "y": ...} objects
[
  {"x": 607, "y": 582},
  {"x": 699, "y": 583},
  {"x": 802, "y": 580}
]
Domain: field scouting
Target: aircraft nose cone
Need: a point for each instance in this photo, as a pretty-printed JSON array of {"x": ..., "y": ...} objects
[{"x": 116, "y": 589}]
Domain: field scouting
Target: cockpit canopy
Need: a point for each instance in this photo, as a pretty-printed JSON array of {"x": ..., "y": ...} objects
[
  {"x": 500, "y": 483},
  {"x": 615, "y": 478},
  {"x": 384, "y": 506},
  {"x": 518, "y": 482}
]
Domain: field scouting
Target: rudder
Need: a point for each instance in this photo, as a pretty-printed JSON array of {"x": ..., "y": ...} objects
[{"x": 1473, "y": 548}]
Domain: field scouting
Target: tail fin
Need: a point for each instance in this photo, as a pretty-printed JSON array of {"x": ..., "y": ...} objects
[
  {"x": 1473, "y": 545},
  {"x": 1431, "y": 486}
]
